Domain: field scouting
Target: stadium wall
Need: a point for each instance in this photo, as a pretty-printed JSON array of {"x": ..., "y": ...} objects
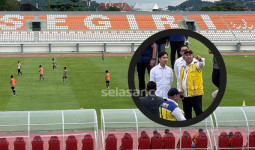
[
  {"x": 105, "y": 47},
  {"x": 68, "y": 47}
]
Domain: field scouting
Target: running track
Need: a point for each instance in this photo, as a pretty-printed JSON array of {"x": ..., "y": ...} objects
[
  {"x": 64, "y": 55},
  {"x": 95, "y": 55}
]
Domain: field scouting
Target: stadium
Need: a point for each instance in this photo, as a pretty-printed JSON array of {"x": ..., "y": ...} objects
[{"x": 43, "y": 109}]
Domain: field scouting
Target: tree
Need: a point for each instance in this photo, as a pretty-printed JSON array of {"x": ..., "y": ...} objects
[
  {"x": 75, "y": 1},
  {"x": 9, "y": 5},
  {"x": 113, "y": 8},
  {"x": 48, "y": 5},
  {"x": 225, "y": 6},
  {"x": 75, "y": 5}
]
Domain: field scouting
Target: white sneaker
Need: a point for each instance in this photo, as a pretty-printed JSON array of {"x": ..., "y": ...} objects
[{"x": 214, "y": 94}]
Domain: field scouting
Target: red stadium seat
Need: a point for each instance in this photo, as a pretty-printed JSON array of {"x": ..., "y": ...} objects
[
  {"x": 37, "y": 143},
  {"x": 201, "y": 141},
  {"x": 87, "y": 142},
  {"x": 4, "y": 144},
  {"x": 144, "y": 141},
  {"x": 169, "y": 141},
  {"x": 252, "y": 141},
  {"x": 156, "y": 141},
  {"x": 186, "y": 140},
  {"x": 223, "y": 141},
  {"x": 54, "y": 143},
  {"x": 71, "y": 143},
  {"x": 111, "y": 142},
  {"x": 237, "y": 141},
  {"x": 126, "y": 142},
  {"x": 19, "y": 144}
]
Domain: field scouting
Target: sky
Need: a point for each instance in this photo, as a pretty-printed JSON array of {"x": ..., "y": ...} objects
[{"x": 161, "y": 3}]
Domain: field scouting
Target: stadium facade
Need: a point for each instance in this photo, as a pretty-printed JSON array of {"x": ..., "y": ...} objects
[{"x": 118, "y": 31}]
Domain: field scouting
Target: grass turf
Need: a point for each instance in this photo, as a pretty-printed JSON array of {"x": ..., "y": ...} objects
[
  {"x": 83, "y": 90},
  {"x": 86, "y": 82}
]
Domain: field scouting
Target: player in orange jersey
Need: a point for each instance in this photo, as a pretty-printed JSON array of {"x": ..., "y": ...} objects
[
  {"x": 107, "y": 79},
  {"x": 41, "y": 72},
  {"x": 13, "y": 82}
]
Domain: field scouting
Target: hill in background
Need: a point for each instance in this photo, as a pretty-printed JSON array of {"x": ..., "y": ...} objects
[{"x": 223, "y": 5}]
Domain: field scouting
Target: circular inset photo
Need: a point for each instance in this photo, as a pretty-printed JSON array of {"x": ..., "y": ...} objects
[{"x": 180, "y": 77}]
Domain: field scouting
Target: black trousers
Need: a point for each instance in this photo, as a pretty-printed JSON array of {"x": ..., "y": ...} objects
[
  {"x": 107, "y": 83},
  {"x": 19, "y": 72},
  {"x": 175, "y": 47},
  {"x": 141, "y": 67},
  {"x": 216, "y": 77},
  {"x": 194, "y": 102}
]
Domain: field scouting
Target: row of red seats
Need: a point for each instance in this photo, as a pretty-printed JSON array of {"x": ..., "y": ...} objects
[
  {"x": 54, "y": 143},
  {"x": 236, "y": 141},
  {"x": 126, "y": 142},
  {"x": 155, "y": 142}
]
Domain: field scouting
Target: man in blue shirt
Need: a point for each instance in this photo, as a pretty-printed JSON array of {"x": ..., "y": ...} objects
[
  {"x": 175, "y": 42},
  {"x": 146, "y": 60}
]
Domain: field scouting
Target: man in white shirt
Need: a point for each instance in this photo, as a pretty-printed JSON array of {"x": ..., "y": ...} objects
[
  {"x": 162, "y": 75},
  {"x": 179, "y": 63},
  {"x": 169, "y": 110},
  {"x": 19, "y": 68},
  {"x": 191, "y": 84}
]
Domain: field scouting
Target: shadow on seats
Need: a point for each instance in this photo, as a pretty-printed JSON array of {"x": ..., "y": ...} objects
[
  {"x": 54, "y": 143},
  {"x": 237, "y": 141},
  {"x": 144, "y": 141},
  {"x": 201, "y": 141},
  {"x": 223, "y": 141},
  {"x": 126, "y": 142},
  {"x": 111, "y": 142},
  {"x": 156, "y": 141},
  {"x": 19, "y": 144},
  {"x": 169, "y": 141},
  {"x": 37, "y": 143},
  {"x": 186, "y": 141},
  {"x": 4, "y": 144},
  {"x": 71, "y": 143},
  {"x": 87, "y": 142},
  {"x": 251, "y": 141}
]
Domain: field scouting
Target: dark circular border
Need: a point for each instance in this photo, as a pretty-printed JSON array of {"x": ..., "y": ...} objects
[{"x": 202, "y": 39}]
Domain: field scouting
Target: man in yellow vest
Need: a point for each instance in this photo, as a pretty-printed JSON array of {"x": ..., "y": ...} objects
[
  {"x": 170, "y": 110},
  {"x": 191, "y": 84}
]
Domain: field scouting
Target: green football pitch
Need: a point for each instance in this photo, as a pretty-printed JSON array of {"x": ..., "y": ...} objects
[{"x": 86, "y": 82}]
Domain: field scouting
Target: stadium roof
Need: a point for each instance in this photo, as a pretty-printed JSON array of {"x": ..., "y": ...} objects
[{"x": 121, "y": 6}]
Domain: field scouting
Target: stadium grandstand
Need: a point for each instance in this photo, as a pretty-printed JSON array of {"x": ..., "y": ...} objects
[
  {"x": 128, "y": 130},
  {"x": 107, "y": 30},
  {"x": 35, "y": 32}
]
